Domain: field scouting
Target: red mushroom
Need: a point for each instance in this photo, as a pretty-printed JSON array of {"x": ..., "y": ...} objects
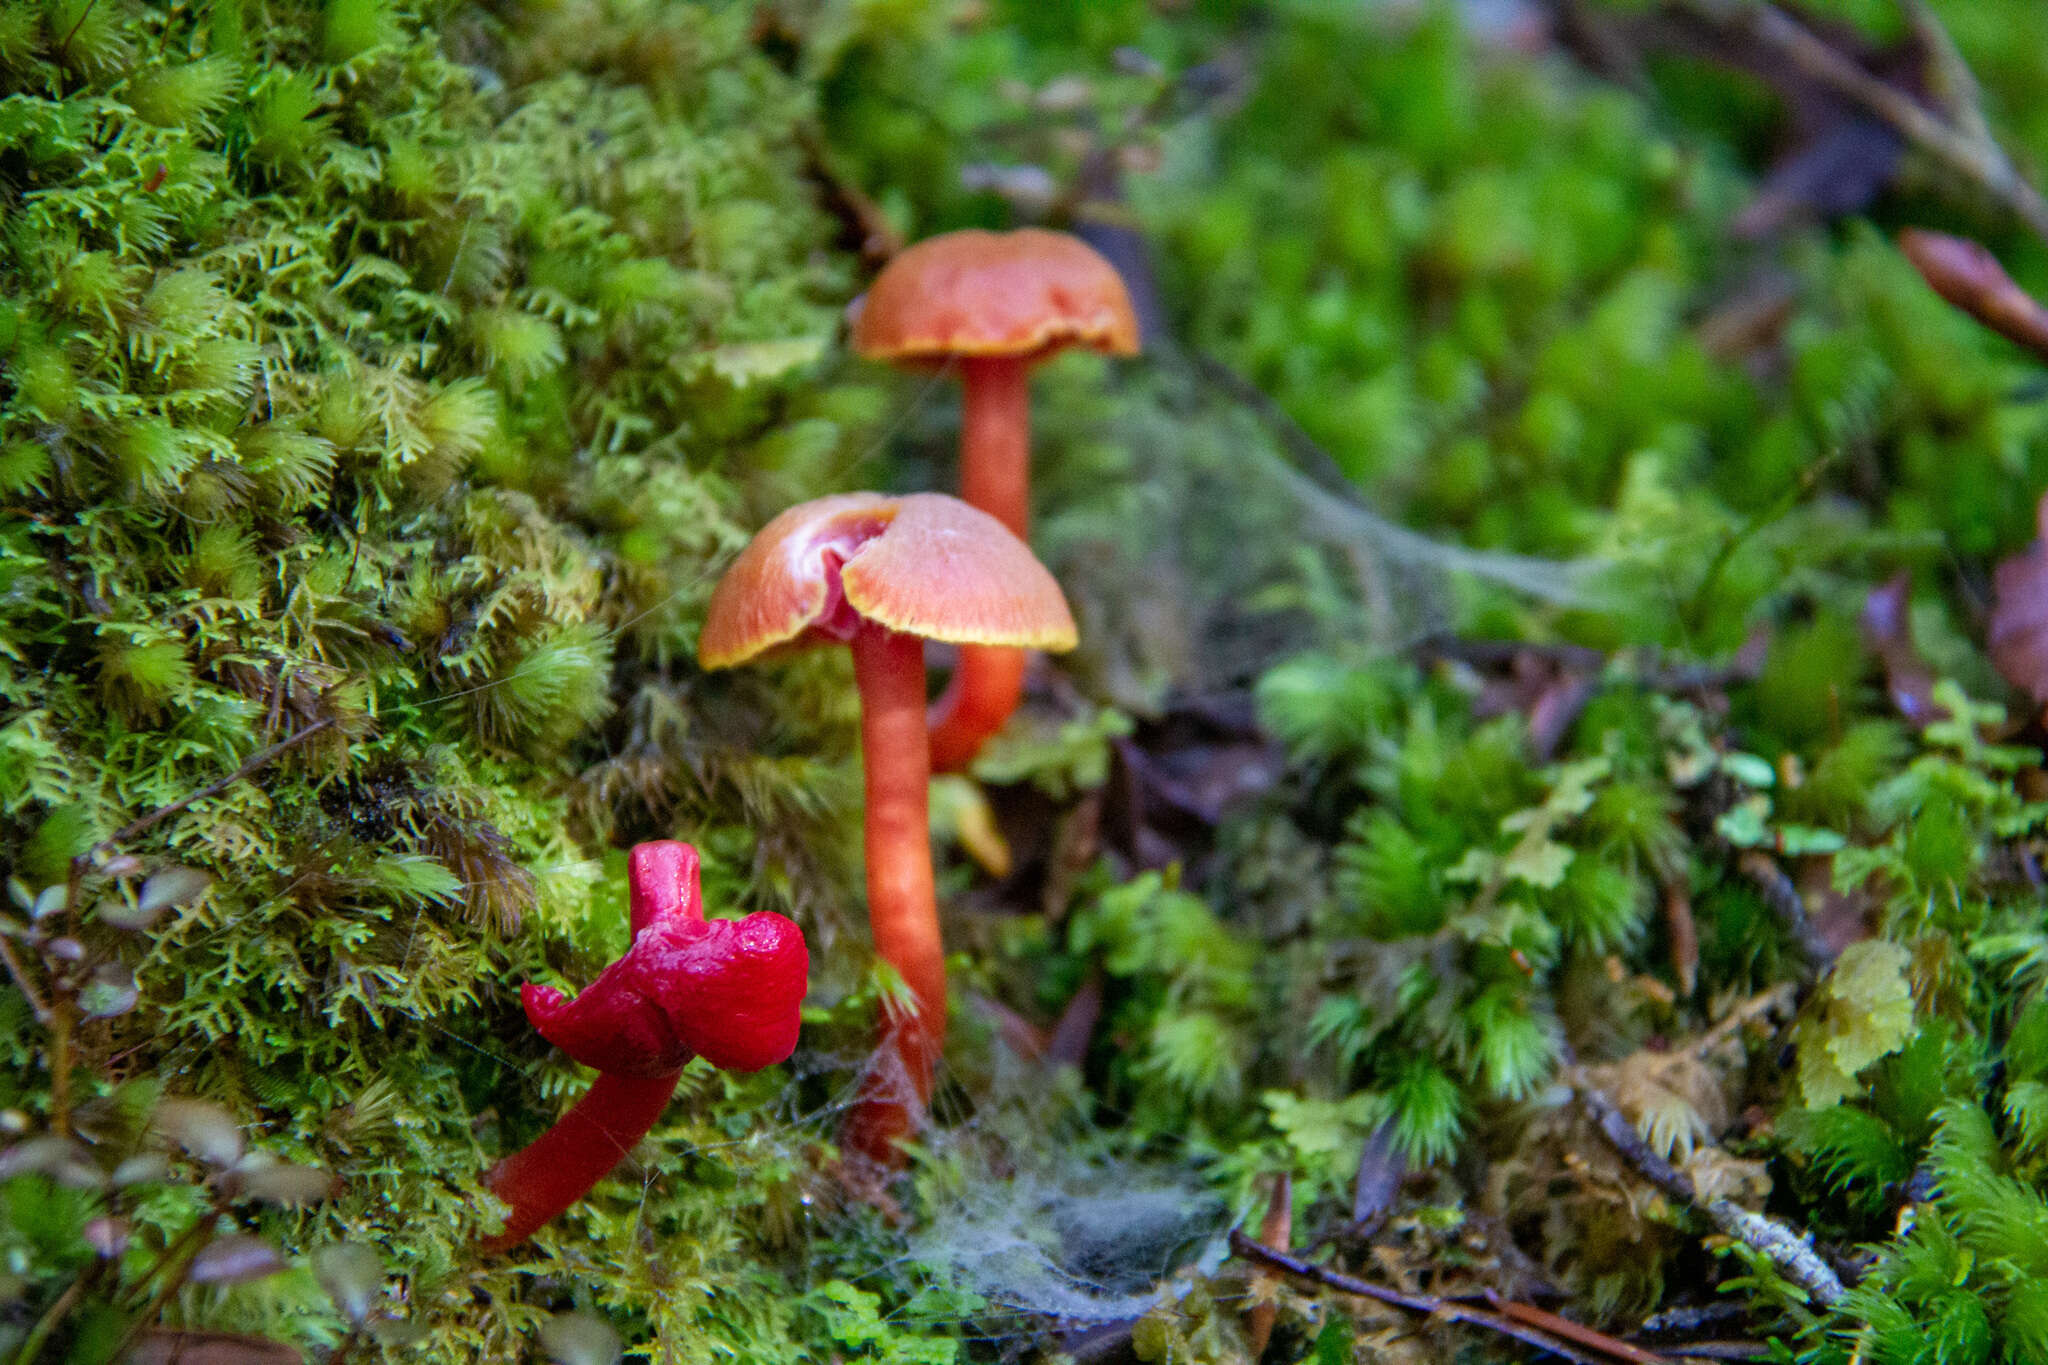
[
  {"x": 725, "y": 990},
  {"x": 998, "y": 303},
  {"x": 881, "y": 575}
]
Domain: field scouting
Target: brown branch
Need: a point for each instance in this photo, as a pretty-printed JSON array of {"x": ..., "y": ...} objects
[
  {"x": 1790, "y": 1251},
  {"x": 22, "y": 983},
  {"x": 1957, "y": 146},
  {"x": 59, "y": 1025},
  {"x": 1431, "y": 1306},
  {"x": 82, "y": 864},
  {"x": 1784, "y": 900},
  {"x": 1572, "y": 1331}
]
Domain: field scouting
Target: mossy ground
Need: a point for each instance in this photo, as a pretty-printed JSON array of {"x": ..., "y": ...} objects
[{"x": 405, "y": 376}]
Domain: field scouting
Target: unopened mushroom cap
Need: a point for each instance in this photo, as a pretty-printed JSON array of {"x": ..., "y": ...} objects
[
  {"x": 1025, "y": 293},
  {"x": 924, "y": 564}
]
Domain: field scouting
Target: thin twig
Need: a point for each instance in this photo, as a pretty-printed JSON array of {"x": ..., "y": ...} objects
[
  {"x": 60, "y": 1064},
  {"x": 1782, "y": 896},
  {"x": 1790, "y": 1251},
  {"x": 1949, "y": 78},
  {"x": 1426, "y": 1304},
  {"x": 84, "y": 861},
  {"x": 76, "y": 25},
  {"x": 1641, "y": 670},
  {"x": 175, "y": 1264},
  {"x": 32, "y": 1344},
  {"x": 22, "y": 983},
  {"x": 1977, "y": 158},
  {"x": 1552, "y": 1323}
]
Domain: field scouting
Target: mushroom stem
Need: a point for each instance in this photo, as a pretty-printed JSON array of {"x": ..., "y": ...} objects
[
  {"x": 995, "y": 475},
  {"x": 888, "y": 668},
  {"x": 995, "y": 440},
  {"x": 559, "y": 1167},
  {"x": 987, "y": 683}
]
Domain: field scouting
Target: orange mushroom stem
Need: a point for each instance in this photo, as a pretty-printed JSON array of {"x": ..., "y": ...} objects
[
  {"x": 880, "y": 575},
  {"x": 995, "y": 439},
  {"x": 997, "y": 303},
  {"x": 903, "y": 907}
]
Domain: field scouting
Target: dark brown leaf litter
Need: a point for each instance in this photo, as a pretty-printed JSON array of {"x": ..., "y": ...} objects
[
  {"x": 1888, "y": 634},
  {"x": 1177, "y": 776},
  {"x": 2019, "y": 614}
]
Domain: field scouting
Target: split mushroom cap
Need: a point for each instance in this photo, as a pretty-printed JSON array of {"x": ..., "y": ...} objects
[
  {"x": 1022, "y": 294},
  {"x": 730, "y": 991},
  {"x": 924, "y": 564}
]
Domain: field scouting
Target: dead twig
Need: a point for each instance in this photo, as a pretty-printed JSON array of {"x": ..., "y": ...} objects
[
  {"x": 1445, "y": 1309},
  {"x": 1959, "y": 143},
  {"x": 1782, "y": 896},
  {"x": 1790, "y": 1251},
  {"x": 83, "y": 863},
  {"x": 1276, "y": 1231},
  {"x": 863, "y": 225},
  {"x": 21, "y": 982},
  {"x": 1646, "y": 672},
  {"x": 1572, "y": 1331},
  {"x": 57, "y": 1013}
]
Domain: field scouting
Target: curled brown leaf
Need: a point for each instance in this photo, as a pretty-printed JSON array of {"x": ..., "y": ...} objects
[{"x": 1971, "y": 278}]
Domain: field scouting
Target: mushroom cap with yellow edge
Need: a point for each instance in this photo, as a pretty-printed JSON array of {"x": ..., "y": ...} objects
[
  {"x": 923, "y": 564},
  {"x": 972, "y": 293}
]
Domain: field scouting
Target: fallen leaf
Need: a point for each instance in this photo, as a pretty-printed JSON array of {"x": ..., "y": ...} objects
[
  {"x": 236, "y": 1258},
  {"x": 162, "y": 1346},
  {"x": 1888, "y": 633},
  {"x": 1971, "y": 278},
  {"x": 1836, "y": 172},
  {"x": 2019, "y": 614},
  {"x": 579, "y": 1339},
  {"x": 205, "y": 1130},
  {"x": 353, "y": 1276},
  {"x": 1381, "y": 1168}
]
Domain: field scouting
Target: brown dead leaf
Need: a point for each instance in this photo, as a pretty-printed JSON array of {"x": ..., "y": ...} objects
[
  {"x": 2019, "y": 614},
  {"x": 165, "y": 1347},
  {"x": 1971, "y": 278},
  {"x": 1888, "y": 633}
]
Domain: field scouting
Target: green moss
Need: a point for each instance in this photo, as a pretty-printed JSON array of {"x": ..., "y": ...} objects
[{"x": 371, "y": 367}]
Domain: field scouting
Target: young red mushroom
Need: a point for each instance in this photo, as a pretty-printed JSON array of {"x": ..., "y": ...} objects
[
  {"x": 997, "y": 303},
  {"x": 725, "y": 990},
  {"x": 881, "y": 575}
]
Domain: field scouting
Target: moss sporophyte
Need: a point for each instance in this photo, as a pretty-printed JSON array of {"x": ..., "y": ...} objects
[{"x": 725, "y": 990}]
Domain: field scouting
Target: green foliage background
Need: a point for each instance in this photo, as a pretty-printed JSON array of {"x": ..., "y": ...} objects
[{"x": 413, "y": 372}]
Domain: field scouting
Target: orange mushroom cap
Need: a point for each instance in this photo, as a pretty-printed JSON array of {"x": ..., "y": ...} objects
[
  {"x": 1024, "y": 294},
  {"x": 924, "y": 564}
]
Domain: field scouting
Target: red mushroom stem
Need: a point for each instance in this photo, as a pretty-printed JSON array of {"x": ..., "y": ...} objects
[
  {"x": 542, "y": 1180},
  {"x": 726, "y": 990},
  {"x": 995, "y": 475},
  {"x": 888, "y": 668}
]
